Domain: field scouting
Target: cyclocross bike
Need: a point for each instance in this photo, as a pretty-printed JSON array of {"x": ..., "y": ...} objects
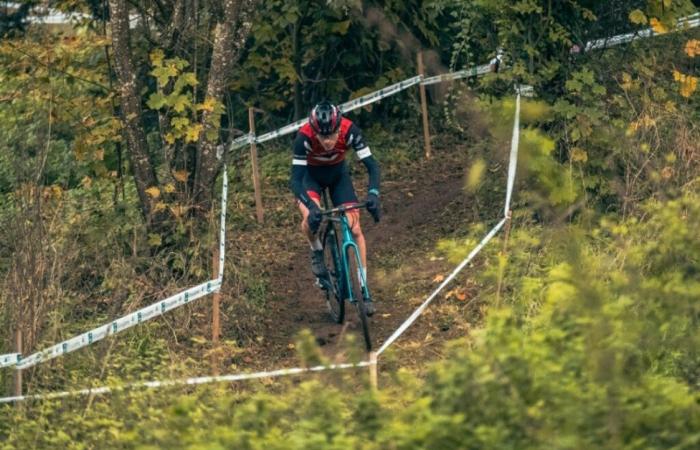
[{"x": 345, "y": 279}]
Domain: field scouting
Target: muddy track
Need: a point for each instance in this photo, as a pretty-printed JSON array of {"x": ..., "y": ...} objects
[{"x": 417, "y": 211}]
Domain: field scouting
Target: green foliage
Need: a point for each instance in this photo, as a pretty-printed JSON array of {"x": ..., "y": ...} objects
[
  {"x": 338, "y": 51},
  {"x": 175, "y": 98},
  {"x": 596, "y": 346},
  {"x": 55, "y": 108}
]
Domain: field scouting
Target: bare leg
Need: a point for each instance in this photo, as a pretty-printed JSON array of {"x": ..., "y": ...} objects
[
  {"x": 354, "y": 219},
  {"x": 304, "y": 224}
]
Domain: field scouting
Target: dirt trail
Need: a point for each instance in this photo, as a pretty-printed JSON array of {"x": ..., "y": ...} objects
[{"x": 417, "y": 212}]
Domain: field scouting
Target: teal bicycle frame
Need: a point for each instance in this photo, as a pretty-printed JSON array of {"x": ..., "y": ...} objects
[
  {"x": 341, "y": 282},
  {"x": 341, "y": 261}
]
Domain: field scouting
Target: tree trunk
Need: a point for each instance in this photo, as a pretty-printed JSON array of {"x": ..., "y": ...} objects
[
  {"x": 229, "y": 37},
  {"x": 144, "y": 173},
  {"x": 296, "y": 50}
]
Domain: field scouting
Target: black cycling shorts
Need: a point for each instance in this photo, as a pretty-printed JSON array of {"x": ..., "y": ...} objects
[{"x": 336, "y": 178}]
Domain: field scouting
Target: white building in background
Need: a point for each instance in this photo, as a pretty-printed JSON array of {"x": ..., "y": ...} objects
[
  {"x": 44, "y": 15},
  {"x": 50, "y": 16}
]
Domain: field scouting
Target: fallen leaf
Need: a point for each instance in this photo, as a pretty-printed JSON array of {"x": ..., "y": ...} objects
[
  {"x": 438, "y": 279},
  {"x": 153, "y": 192}
]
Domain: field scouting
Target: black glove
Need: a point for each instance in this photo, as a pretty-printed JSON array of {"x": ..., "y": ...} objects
[
  {"x": 373, "y": 206},
  {"x": 314, "y": 218}
]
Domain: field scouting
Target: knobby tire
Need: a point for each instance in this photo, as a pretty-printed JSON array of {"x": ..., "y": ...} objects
[
  {"x": 331, "y": 256},
  {"x": 356, "y": 293}
]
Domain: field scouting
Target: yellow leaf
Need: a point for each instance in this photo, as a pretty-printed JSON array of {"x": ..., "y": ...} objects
[
  {"x": 193, "y": 133},
  {"x": 169, "y": 188},
  {"x": 657, "y": 26},
  {"x": 207, "y": 105},
  {"x": 688, "y": 83},
  {"x": 476, "y": 174},
  {"x": 638, "y": 17},
  {"x": 689, "y": 87},
  {"x": 154, "y": 240},
  {"x": 692, "y": 48},
  {"x": 86, "y": 181},
  {"x": 160, "y": 206},
  {"x": 626, "y": 82},
  {"x": 667, "y": 173},
  {"x": 157, "y": 57},
  {"x": 438, "y": 279},
  {"x": 153, "y": 192},
  {"x": 180, "y": 175},
  {"x": 100, "y": 154},
  {"x": 579, "y": 155},
  {"x": 178, "y": 210},
  {"x": 170, "y": 138}
]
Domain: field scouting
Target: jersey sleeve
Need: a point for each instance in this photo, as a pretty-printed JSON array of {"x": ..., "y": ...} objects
[
  {"x": 356, "y": 140},
  {"x": 296, "y": 180}
]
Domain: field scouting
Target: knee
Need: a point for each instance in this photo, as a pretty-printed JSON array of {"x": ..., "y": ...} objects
[{"x": 356, "y": 229}]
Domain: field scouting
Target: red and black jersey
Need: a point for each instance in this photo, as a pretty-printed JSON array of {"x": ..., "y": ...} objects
[
  {"x": 308, "y": 149},
  {"x": 312, "y": 161}
]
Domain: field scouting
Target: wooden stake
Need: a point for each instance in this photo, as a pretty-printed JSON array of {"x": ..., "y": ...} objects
[
  {"x": 254, "y": 161},
  {"x": 504, "y": 252},
  {"x": 424, "y": 108},
  {"x": 373, "y": 379},
  {"x": 215, "y": 315},
  {"x": 18, "y": 372}
]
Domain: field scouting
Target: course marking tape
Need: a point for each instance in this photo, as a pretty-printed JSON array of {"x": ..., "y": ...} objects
[
  {"x": 685, "y": 23},
  {"x": 142, "y": 315},
  {"x": 222, "y": 230},
  {"x": 345, "y": 107},
  {"x": 186, "y": 381},
  {"x": 466, "y": 73},
  {"x": 9, "y": 359},
  {"x": 513, "y": 162},
  {"x": 120, "y": 324},
  {"x": 447, "y": 280}
]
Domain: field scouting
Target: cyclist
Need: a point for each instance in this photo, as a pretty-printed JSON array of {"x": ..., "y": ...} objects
[{"x": 318, "y": 163}]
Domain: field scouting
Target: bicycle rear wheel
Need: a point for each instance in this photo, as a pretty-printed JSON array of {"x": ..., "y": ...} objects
[
  {"x": 331, "y": 256},
  {"x": 356, "y": 293}
]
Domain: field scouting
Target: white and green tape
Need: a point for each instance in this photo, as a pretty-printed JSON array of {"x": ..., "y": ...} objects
[
  {"x": 692, "y": 21},
  {"x": 513, "y": 160},
  {"x": 142, "y": 315},
  {"x": 187, "y": 381},
  {"x": 466, "y": 73},
  {"x": 9, "y": 359},
  {"x": 345, "y": 107}
]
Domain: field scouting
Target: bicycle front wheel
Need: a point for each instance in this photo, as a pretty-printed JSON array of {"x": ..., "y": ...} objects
[
  {"x": 331, "y": 256},
  {"x": 357, "y": 293}
]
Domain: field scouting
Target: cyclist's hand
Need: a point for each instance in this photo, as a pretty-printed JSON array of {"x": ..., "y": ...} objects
[
  {"x": 314, "y": 219},
  {"x": 373, "y": 206}
]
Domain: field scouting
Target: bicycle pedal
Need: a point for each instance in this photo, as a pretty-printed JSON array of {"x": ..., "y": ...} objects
[{"x": 321, "y": 284}]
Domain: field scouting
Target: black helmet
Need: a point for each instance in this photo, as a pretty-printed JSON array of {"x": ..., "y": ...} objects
[{"x": 325, "y": 118}]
